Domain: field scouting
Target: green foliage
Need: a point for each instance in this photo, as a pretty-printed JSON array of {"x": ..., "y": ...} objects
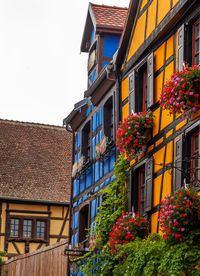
[{"x": 113, "y": 205}]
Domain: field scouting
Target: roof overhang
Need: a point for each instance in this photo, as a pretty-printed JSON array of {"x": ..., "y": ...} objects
[
  {"x": 102, "y": 85},
  {"x": 77, "y": 115}
]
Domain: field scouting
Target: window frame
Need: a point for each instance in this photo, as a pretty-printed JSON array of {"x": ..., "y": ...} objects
[
  {"x": 25, "y": 219},
  {"x": 193, "y": 152},
  {"x": 194, "y": 38},
  {"x": 11, "y": 218},
  {"x": 45, "y": 228},
  {"x": 21, "y": 220}
]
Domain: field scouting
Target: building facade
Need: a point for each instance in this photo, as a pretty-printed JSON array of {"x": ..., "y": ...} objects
[
  {"x": 35, "y": 177},
  {"x": 159, "y": 36},
  {"x": 94, "y": 119}
]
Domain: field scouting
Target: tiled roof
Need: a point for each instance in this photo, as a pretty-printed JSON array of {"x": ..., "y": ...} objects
[
  {"x": 35, "y": 161},
  {"x": 110, "y": 16}
]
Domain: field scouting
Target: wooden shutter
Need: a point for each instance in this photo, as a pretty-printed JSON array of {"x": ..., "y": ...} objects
[
  {"x": 180, "y": 50},
  {"x": 148, "y": 184},
  {"x": 150, "y": 80},
  {"x": 131, "y": 92},
  {"x": 178, "y": 162},
  {"x": 128, "y": 190}
]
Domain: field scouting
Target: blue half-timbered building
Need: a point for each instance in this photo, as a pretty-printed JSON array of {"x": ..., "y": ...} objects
[{"x": 93, "y": 120}]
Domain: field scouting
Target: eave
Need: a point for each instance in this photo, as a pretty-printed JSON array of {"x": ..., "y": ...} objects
[{"x": 101, "y": 86}]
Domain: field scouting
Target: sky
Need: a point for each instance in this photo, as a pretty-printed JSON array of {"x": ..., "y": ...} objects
[{"x": 42, "y": 72}]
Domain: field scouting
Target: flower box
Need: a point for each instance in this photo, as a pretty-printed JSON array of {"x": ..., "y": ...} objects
[
  {"x": 133, "y": 134},
  {"x": 182, "y": 91},
  {"x": 178, "y": 215},
  {"x": 100, "y": 148}
]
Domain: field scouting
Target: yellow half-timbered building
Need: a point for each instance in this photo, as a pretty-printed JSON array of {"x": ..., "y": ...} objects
[
  {"x": 35, "y": 178},
  {"x": 158, "y": 37}
]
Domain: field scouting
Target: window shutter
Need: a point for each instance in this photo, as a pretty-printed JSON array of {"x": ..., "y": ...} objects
[
  {"x": 180, "y": 50},
  {"x": 150, "y": 80},
  {"x": 128, "y": 190},
  {"x": 148, "y": 184},
  {"x": 131, "y": 92},
  {"x": 178, "y": 162}
]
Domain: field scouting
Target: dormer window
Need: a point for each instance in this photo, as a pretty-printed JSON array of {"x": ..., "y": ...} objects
[
  {"x": 86, "y": 141},
  {"x": 92, "y": 56},
  {"x": 108, "y": 119}
]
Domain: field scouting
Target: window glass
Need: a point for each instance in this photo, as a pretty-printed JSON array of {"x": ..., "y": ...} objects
[
  {"x": 14, "y": 227},
  {"x": 27, "y": 228},
  {"x": 40, "y": 233}
]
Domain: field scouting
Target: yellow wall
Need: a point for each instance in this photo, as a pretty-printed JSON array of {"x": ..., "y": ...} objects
[{"x": 148, "y": 23}]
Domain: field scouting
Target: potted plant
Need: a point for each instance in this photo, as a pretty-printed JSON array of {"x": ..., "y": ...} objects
[
  {"x": 126, "y": 229},
  {"x": 179, "y": 215},
  {"x": 133, "y": 133},
  {"x": 182, "y": 91}
]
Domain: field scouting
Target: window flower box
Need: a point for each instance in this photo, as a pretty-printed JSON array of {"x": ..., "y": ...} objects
[
  {"x": 179, "y": 215},
  {"x": 181, "y": 92},
  {"x": 133, "y": 133},
  {"x": 100, "y": 148},
  {"x": 126, "y": 229}
]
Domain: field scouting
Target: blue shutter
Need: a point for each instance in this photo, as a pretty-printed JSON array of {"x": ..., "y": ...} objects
[
  {"x": 97, "y": 202},
  {"x": 97, "y": 119},
  {"x": 82, "y": 183},
  {"x": 100, "y": 116},
  {"x": 96, "y": 171},
  {"x": 75, "y": 188},
  {"x": 76, "y": 220},
  {"x": 76, "y": 238},
  {"x": 100, "y": 200},
  {"x": 112, "y": 159},
  {"x": 93, "y": 208},
  {"x": 101, "y": 169},
  {"x": 75, "y": 204},
  {"x": 113, "y": 178},
  {"x": 101, "y": 134},
  {"x": 76, "y": 142},
  {"x": 72, "y": 241},
  {"x": 94, "y": 122},
  {"x": 102, "y": 185},
  {"x": 79, "y": 139},
  {"x": 93, "y": 147},
  {"x": 79, "y": 155},
  {"x": 107, "y": 181},
  {"x": 80, "y": 201},
  {"x": 85, "y": 197},
  {"x": 106, "y": 163},
  {"x": 89, "y": 177},
  {"x": 97, "y": 138},
  {"x": 76, "y": 157},
  {"x": 73, "y": 218},
  {"x": 93, "y": 172}
]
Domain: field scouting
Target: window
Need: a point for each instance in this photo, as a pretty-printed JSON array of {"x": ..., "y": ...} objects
[
  {"x": 196, "y": 42},
  {"x": 141, "y": 86},
  {"x": 21, "y": 227},
  {"x": 140, "y": 187},
  {"x": 40, "y": 231},
  {"x": 14, "y": 227},
  {"x": 195, "y": 158},
  {"x": 27, "y": 228},
  {"x": 141, "y": 91},
  {"x": 108, "y": 119},
  {"x": 83, "y": 225},
  {"x": 86, "y": 141}
]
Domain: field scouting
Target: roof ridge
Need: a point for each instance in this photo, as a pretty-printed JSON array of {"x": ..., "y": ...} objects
[
  {"x": 31, "y": 124},
  {"x": 106, "y": 6}
]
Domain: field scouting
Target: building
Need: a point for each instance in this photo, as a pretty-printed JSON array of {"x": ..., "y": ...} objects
[
  {"x": 159, "y": 36},
  {"x": 94, "y": 119},
  {"x": 35, "y": 177}
]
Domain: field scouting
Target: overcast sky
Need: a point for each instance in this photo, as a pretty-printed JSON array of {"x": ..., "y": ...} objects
[{"x": 42, "y": 73}]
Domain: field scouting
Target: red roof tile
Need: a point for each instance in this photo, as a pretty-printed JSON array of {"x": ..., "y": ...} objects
[
  {"x": 110, "y": 16},
  {"x": 35, "y": 161}
]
